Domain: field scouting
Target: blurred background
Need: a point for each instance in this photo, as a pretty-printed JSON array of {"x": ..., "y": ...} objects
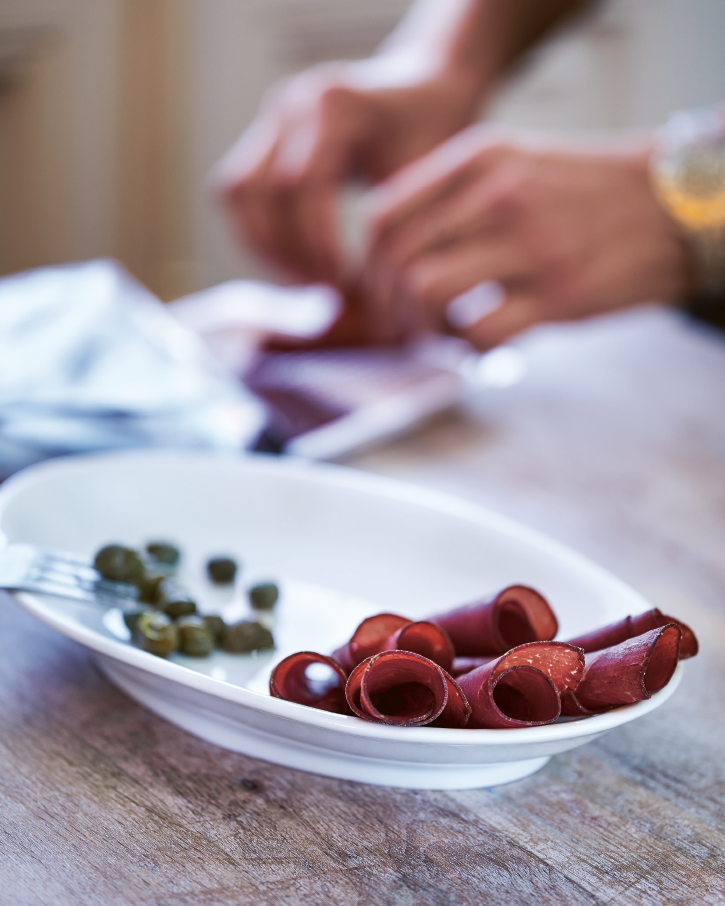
[{"x": 113, "y": 111}]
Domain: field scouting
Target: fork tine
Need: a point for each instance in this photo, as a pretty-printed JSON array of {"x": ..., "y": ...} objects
[
  {"x": 25, "y": 567},
  {"x": 61, "y": 557},
  {"x": 89, "y": 580},
  {"x": 61, "y": 564},
  {"x": 97, "y": 588},
  {"x": 51, "y": 588},
  {"x": 78, "y": 593}
]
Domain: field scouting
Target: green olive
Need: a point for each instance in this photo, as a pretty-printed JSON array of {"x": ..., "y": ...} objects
[
  {"x": 216, "y": 626},
  {"x": 155, "y": 633},
  {"x": 119, "y": 564},
  {"x": 195, "y": 639},
  {"x": 246, "y": 636},
  {"x": 163, "y": 552},
  {"x": 221, "y": 570},
  {"x": 263, "y": 596}
]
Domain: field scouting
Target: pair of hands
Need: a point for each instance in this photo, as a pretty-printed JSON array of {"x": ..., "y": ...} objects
[{"x": 566, "y": 232}]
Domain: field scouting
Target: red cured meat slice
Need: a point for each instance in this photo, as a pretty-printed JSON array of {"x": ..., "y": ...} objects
[
  {"x": 455, "y": 714},
  {"x": 561, "y": 661},
  {"x": 423, "y": 638},
  {"x": 522, "y": 688},
  {"x": 518, "y": 697},
  {"x": 457, "y": 711},
  {"x": 399, "y": 688},
  {"x": 369, "y": 638},
  {"x": 633, "y": 626},
  {"x": 516, "y": 615},
  {"x": 403, "y": 689},
  {"x": 354, "y": 688},
  {"x": 291, "y": 682},
  {"x": 629, "y": 672}
]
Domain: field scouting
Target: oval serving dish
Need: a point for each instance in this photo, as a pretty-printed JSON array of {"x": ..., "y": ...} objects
[{"x": 343, "y": 545}]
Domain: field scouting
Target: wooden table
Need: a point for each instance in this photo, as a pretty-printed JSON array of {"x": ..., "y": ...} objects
[{"x": 615, "y": 443}]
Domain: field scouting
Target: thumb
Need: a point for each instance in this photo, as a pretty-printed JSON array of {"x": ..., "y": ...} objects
[{"x": 516, "y": 313}]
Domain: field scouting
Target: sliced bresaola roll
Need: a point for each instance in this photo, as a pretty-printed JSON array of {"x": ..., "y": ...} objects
[
  {"x": 369, "y": 638},
  {"x": 633, "y": 626},
  {"x": 387, "y": 632},
  {"x": 554, "y": 658},
  {"x": 292, "y": 681},
  {"x": 423, "y": 638},
  {"x": 516, "y": 615},
  {"x": 523, "y": 688},
  {"x": 457, "y": 711},
  {"x": 404, "y": 689},
  {"x": 629, "y": 672}
]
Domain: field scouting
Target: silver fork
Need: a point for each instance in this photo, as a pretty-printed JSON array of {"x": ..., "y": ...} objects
[{"x": 25, "y": 567}]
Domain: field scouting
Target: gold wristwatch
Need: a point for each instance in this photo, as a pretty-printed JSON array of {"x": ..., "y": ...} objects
[{"x": 688, "y": 170}]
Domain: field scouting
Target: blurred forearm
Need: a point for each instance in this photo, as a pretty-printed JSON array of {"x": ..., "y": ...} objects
[{"x": 474, "y": 42}]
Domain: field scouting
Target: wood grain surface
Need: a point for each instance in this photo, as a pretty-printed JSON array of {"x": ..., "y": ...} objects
[{"x": 614, "y": 443}]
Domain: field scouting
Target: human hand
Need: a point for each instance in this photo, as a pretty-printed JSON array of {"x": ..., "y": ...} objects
[
  {"x": 280, "y": 182},
  {"x": 566, "y": 232}
]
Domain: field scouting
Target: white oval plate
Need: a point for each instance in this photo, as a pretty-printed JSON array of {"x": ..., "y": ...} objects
[{"x": 343, "y": 545}]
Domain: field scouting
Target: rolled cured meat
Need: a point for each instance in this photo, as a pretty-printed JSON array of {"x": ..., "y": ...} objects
[
  {"x": 369, "y": 638},
  {"x": 523, "y": 688},
  {"x": 457, "y": 711},
  {"x": 404, "y": 689},
  {"x": 290, "y": 680},
  {"x": 424, "y": 638},
  {"x": 629, "y": 672},
  {"x": 387, "y": 632},
  {"x": 629, "y": 627},
  {"x": 518, "y": 614},
  {"x": 353, "y": 690}
]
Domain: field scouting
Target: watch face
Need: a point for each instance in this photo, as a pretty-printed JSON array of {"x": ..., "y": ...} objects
[
  {"x": 689, "y": 165},
  {"x": 701, "y": 172}
]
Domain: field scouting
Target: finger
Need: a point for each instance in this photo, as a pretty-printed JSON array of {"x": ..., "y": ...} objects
[
  {"x": 240, "y": 180},
  {"x": 517, "y": 313},
  {"x": 391, "y": 311},
  {"x": 269, "y": 221},
  {"x": 280, "y": 215},
  {"x": 416, "y": 187},
  {"x": 313, "y": 217},
  {"x": 438, "y": 277},
  {"x": 478, "y": 209},
  {"x": 260, "y": 209},
  {"x": 418, "y": 295},
  {"x": 311, "y": 166}
]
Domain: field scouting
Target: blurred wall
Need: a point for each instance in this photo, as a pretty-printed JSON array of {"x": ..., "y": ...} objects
[
  {"x": 58, "y": 130},
  {"x": 113, "y": 111}
]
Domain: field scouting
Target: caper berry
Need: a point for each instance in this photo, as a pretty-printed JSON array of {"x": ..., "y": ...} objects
[
  {"x": 263, "y": 596},
  {"x": 119, "y": 564},
  {"x": 176, "y": 601},
  {"x": 163, "y": 552},
  {"x": 195, "y": 639},
  {"x": 130, "y": 618},
  {"x": 151, "y": 587},
  {"x": 216, "y": 626},
  {"x": 155, "y": 633},
  {"x": 246, "y": 636},
  {"x": 221, "y": 570}
]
